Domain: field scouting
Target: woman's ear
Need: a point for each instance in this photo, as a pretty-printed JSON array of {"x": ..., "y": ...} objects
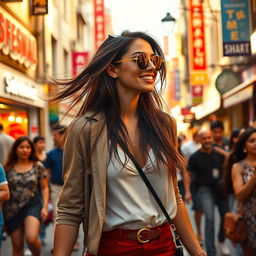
[{"x": 112, "y": 71}]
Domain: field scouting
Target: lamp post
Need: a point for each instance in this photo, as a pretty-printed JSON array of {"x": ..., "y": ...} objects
[
  {"x": 168, "y": 23},
  {"x": 168, "y": 26}
]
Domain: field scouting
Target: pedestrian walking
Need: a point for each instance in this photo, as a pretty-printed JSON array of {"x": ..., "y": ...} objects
[
  {"x": 39, "y": 143},
  {"x": 220, "y": 142},
  {"x": 4, "y": 196},
  {"x": 6, "y": 142},
  {"x": 189, "y": 148},
  {"x": 244, "y": 184},
  {"x": 53, "y": 164},
  {"x": 206, "y": 165},
  {"x": 102, "y": 186},
  {"x": 27, "y": 179}
]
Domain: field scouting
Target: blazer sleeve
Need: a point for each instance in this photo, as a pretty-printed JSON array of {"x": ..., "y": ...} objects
[{"x": 74, "y": 198}]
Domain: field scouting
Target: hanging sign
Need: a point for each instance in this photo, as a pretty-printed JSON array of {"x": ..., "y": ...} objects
[
  {"x": 197, "y": 53},
  {"x": 39, "y": 7},
  {"x": 79, "y": 61},
  {"x": 236, "y": 27},
  {"x": 99, "y": 20}
]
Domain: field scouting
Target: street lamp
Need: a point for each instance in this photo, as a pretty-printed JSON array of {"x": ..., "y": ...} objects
[{"x": 168, "y": 23}]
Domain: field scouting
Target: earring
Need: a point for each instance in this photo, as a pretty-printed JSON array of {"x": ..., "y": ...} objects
[{"x": 244, "y": 151}]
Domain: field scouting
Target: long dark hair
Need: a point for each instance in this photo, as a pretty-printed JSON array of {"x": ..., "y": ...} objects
[
  {"x": 97, "y": 92},
  {"x": 238, "y": 155},
  {"x": 13, "y": 157}
]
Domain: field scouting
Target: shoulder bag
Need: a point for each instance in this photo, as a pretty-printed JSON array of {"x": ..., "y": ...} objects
[
  {"x": 179, "y": 246},
  {"x": 235, "y": 227}
]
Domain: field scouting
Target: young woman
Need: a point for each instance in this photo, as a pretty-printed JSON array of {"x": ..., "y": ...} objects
[
  {"x": 102, "y": 187},
  {"x": 23, "y": 212},
  {"x": 39, "y": 143},
  {"x": 244, "y": 183}
]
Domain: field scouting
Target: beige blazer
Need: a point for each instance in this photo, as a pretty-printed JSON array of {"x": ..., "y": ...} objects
[{"x": 83, "y": 197}]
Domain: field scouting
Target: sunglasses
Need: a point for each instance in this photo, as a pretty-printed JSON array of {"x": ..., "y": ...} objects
[{"x": 142, "y": 61}]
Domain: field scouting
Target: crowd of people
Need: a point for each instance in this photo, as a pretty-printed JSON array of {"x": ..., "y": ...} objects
[
  {"x": 93, "y": 171},
  {"x": 28, "y": 181},
  {"x": 221, "y": 173}
]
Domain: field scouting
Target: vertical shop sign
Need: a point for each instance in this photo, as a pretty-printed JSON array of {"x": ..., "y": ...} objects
[
  {"x": 197, "y": 55},
  {"x": 197, "y": 94},
  {"x": 79, "y": 61},
  {"x": 39, "y": 7},
  {"x": 176, "y": 85},
  {"x": 236, "y": 26},
  {"x": 99, "y": 22}
]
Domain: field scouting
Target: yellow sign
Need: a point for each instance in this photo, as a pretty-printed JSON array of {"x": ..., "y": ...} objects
[{"x": 199, "y": 78}]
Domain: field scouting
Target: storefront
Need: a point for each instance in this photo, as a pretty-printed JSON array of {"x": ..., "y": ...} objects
[{"x": 21, "y": 103}]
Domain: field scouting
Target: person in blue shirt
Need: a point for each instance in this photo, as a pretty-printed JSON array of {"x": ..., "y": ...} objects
[
  {"x": 53, "y": 164},
  {"x": 4, "y": 196}
]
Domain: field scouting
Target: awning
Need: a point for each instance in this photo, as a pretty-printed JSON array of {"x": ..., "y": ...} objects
[
  {"x": 207, "y": 107},
  {"x": 240, "y": 93}
]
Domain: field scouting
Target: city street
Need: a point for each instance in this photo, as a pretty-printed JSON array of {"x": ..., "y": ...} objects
[{"x": 46, "y": 250}]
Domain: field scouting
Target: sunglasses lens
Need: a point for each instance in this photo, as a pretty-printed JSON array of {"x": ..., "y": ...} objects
[
  {"x": 142, "y": 61},
  {"x": 157, "y": 61}
]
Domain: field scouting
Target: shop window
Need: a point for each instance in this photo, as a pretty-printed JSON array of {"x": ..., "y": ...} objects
[{"x": 14, "y": 120}]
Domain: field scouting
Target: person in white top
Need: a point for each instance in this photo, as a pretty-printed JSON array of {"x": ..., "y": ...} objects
[
  {"x": 6, "y": 142},
  {"x": 188, "y": 148},
  {"x": 102, "y": 187}
]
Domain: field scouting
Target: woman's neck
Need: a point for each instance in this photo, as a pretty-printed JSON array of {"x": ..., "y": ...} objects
[
  {"x": 23, "y": 161},
  {"x": 250, "y": 158}
]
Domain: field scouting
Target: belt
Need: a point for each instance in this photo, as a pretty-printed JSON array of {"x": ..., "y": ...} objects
[{"x": 143, "y": 235}]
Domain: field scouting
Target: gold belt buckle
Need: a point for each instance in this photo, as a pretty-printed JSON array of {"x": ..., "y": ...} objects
[{"x": 139, "y": 235}]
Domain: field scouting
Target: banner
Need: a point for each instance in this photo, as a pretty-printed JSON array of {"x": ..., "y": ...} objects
[
  {"x": 236, "y": 26},
  {"x": 197, "y": 53},
  {"x": 39, "y": 7},
  {"x": 99, "y": 22},
  {"x": 79, "y": 61},
  {"x": 197, "y": 94}
]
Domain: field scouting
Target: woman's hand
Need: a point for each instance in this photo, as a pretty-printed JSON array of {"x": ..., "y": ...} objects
[{"x": 44, "y": 213}]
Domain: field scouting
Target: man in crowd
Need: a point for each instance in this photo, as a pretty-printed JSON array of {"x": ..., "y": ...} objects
[
  {"x": 53, "y": 163},
  {"x": 220, "y": 142},
  {"x": 206, "y": 165},
  {"x": 6, "y": 142},
  {"x": 187, "y": 149}
]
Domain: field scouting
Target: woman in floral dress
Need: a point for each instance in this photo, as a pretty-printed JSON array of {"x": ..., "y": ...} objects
[
  {"x": 27, "y": 179},
  {"x": 244, "y": 183}
]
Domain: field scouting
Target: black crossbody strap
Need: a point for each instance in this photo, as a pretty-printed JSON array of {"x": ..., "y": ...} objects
[
  {"x": 151, "y": 189},
  {"x": 145, "y": 179}
]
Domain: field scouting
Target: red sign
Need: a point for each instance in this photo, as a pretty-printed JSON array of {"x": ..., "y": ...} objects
[
  {"x": 79, "y": 61},
  {"x": 16, "y": 41},
  {"x": 197, "y": 94},
  {"x": 196, "y": 27},
  {"x": 99, "y": 22},
  {"x": 197, "y": 55}
]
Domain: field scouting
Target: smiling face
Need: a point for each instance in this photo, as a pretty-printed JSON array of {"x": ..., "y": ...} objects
[
  {"x": 23, "y": 151},
  {"x": 129, "y": 78}
]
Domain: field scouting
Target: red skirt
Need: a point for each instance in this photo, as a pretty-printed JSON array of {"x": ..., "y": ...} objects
[{"x": 157, "y": 241}]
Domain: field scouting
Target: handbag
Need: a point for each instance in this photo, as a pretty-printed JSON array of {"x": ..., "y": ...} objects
[
  {"x": 235, "y": 227},
  {"x": 179, "y": 246}
]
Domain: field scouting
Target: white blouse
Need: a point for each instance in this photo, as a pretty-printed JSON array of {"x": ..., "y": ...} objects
[{"x": 130, "y": 204}]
